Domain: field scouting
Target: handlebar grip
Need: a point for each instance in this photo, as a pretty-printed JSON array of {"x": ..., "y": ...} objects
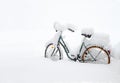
[{"x": 71, "y": 30}]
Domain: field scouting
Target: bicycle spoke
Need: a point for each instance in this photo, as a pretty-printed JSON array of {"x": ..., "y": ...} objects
[
  {"x": 98, "y": 53},
  {"x": 91, "y": 55},
  {"x": 56, "y": 50},
  {"x": 53, "y": 52}
]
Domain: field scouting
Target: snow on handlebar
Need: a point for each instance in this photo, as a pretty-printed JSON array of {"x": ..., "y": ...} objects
[
  {"x": 70, "y": 27},
  {"x": 59, "y": 27}
]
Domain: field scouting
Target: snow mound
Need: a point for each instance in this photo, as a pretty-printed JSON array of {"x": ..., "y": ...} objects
[
  {"x": 54, "y": 58},
  {"x": 100, "y": 39},
  {"x": 116, "y": 51}
]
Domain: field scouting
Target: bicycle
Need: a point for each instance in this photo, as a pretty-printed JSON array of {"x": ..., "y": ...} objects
[{"x": 91, "y": 53}]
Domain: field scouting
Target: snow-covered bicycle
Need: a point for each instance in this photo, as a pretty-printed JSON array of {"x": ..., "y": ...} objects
[{"x": 87, "y": 53}]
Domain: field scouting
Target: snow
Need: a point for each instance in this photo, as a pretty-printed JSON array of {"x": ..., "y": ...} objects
[
  {"x": 22, "y": 60},
  {"x": 55, "y": 39},
  {"x": 116, "y": 51},
  {"x": 99, "y": 39},
  {"x": 59, "y": 27},
  {"x": 29, "y": 69},
  {"x": 26, "y": 26},
  {"x": 88, "y": 31}
]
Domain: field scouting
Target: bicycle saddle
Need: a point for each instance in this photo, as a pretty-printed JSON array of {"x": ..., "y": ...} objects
[
  {"x": 87, "y": 32},
  {"x": 87, "y": 35}
]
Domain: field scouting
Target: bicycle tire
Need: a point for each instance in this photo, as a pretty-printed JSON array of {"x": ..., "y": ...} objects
[{"x": 89, "y": 57}]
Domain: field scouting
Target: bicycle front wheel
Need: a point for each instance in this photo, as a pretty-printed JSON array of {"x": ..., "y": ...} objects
[
  {"x": 96, "y": 54},
  {"x": 52, "y": 52}
]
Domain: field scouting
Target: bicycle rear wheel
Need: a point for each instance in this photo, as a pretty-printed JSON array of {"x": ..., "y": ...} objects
[
  {"x": 52, "y": 52},
  {"x": 96, "y": 54}
]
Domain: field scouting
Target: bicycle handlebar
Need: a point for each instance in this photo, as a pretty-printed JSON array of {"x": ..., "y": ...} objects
[{"x": 71, "y": 30}]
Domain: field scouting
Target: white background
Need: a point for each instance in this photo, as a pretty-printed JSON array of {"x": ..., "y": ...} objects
[{"x": 103, "y": 15}]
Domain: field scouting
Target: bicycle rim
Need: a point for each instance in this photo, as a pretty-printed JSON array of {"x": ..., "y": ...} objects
[{"x": 96, "y": 54}]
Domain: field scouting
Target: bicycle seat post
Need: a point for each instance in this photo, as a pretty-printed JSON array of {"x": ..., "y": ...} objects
[{"x": 84, "y": 39}]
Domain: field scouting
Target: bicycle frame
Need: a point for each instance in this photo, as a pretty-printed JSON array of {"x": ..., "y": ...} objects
[
  {"x": 62, "y": 43},
  {"x": 81, "y": 47}
]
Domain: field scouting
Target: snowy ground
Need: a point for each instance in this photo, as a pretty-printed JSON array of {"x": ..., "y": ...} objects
[
  {"x": 38, "y": 69},
  {"x": 29, "y": 66}
]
